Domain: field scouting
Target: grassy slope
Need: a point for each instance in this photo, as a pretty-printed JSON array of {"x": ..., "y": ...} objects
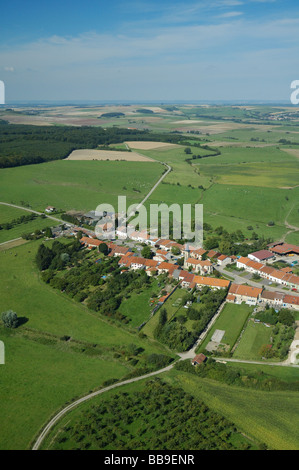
[
  {"x": 77, "y": 185},
  {"x": 38, "y": 379},
  {"x": 270, "y": 417}
]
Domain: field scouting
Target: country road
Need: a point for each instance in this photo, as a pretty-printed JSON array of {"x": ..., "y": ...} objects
[
  {"x": 65, "y": 410},
  {"x": 34, "y": 212}
]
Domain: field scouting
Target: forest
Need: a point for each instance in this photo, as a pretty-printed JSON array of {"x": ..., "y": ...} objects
[{"x": 25, "y": 144}]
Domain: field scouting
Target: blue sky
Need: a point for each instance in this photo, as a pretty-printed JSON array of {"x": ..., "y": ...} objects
[{"x": 149, "y": 50}]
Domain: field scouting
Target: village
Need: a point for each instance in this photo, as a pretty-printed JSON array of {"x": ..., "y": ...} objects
[{"x": 193, "y": 267}]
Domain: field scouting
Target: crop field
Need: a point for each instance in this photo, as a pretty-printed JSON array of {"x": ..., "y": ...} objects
[
  {"x": 80, "y": 185},
  {"x": 90, "y": 154}
]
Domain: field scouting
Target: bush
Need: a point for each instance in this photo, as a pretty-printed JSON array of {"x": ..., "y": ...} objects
[{"x": 10, "y": 319}]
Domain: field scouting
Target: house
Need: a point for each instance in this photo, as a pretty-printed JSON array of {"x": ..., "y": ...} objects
[
  {"x": 90, "y": 242},
  {"x": 239, "y": 293},
  {"x": 199, "y": 359},
  {"x": 50, "y": 209},
  {"x": 164, "y": 244},
  {"x": 199, "y": 266},
  {"x": 291, "y": 301},
  {"x": 212, "y": 254},
  {"x": 119, "y": 251},
  {"x": 186, "y": 278},
  {"x": 197, "y": 253},
  {"x": 165, "y": 267},
  {"x": 254, "y": 266},
  {"x": 160, "y": 258},
  {"x": 262, "y": 255},
  {"x": 223, "y": 260},
  {"x": 242, "y": 262},
  {"x": 212, "y": 282},
  {"x": 273, "y": 299},
  {"x": 266, "y": 271}
]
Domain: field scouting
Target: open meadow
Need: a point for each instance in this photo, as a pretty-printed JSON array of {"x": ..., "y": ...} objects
[
  {"x": 80, "y": 185},
  {"x": 42, "y": 370}
]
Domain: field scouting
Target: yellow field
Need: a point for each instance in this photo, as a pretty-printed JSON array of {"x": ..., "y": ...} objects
[
  {"x": 150, "y": 145},
  {"x": 86, "y": 154}
]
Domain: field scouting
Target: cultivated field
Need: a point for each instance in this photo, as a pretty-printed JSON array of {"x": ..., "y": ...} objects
[
  {"x": 88, "y": 154},
  {"x": 151, "y": 145}
]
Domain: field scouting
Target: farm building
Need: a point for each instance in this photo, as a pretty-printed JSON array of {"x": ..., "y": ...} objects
[
  {"x": 285, "y": 249},
  {"x": 262, "y": 255}
]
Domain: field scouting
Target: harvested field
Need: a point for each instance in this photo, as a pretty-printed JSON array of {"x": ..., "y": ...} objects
[
  {"x": 86, "y": 154},
  {"x": 294, "y": 152},
  {"x": 151, "y": 145}
]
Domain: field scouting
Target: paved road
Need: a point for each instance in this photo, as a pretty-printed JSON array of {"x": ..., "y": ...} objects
[{"x": 242, "y": 280}]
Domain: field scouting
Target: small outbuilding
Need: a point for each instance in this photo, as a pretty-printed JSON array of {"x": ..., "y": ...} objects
[{"x": 199, "y": 359}]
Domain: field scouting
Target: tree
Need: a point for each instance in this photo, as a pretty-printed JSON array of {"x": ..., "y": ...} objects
[
  {"x": 146, "y": 252},
  {"x": 10, "y": 319},
  {"x": 44, "y": 257},
  {"x": 103, "y": 248},
  {"x": 48, "y": 233}
]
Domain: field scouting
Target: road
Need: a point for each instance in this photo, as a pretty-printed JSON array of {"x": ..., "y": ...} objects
[
  {"x": 241, "y": 280},
  {"x": 68, "y": 408},
  {"x": 34, "y": 212}
]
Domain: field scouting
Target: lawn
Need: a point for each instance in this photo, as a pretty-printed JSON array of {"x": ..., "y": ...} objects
[
  {"x": 138, "y": 307},
  {"x": 254, "y": 337},
  {"x": 172, "y": 305},
  {"x": 231, "y": 320}
]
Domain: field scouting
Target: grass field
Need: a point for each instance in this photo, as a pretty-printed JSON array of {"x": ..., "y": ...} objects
[
  {"x": 270, "y": 417},
  {"x": 38, "y": 379},
  {"x": 254, "y": 337},
  {"x": 231, "y": 320},
  {"x": 76, "y": 184},
  {"x": 138, "y": 307},
  {"x": 172, "y": 305},
  {"x": 7, "y": 214}
]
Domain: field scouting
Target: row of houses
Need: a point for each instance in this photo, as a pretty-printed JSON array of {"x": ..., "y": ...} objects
[
  {"x": 239, "y": 293},
  {"x": 280, "y": 276}
]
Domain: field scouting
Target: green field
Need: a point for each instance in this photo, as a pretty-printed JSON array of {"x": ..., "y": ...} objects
[
  {"x": 7, "y": 214},
  {"x": 265, "y": 417},
  {"x": 269, "y": 417},
  {"x": 254, "y": 337},
  {"x": 80, "y": 185},
  {"x": 39, "y": 377},
  {"x": 231, "y": 320}
]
